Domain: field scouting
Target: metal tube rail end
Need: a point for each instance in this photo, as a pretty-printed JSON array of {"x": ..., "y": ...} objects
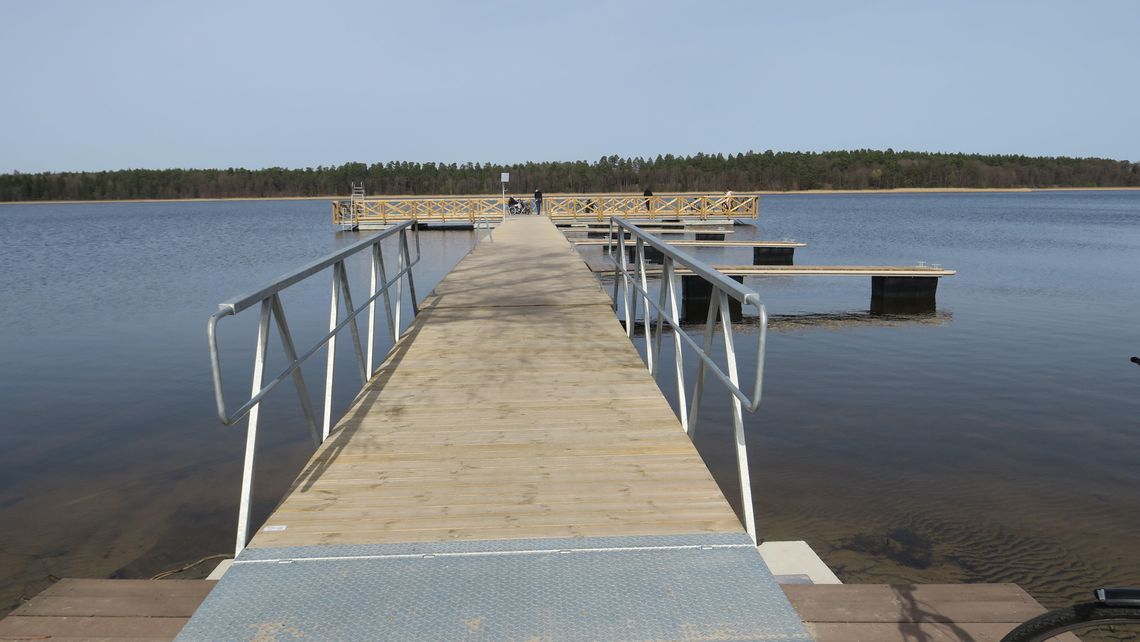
[
  {"x": 216, "y": 361},
  {"x": 719, "y": 282}
]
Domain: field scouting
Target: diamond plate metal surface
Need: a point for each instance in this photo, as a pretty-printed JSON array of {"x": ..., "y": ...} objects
[
  {"x": 692, "y": 587},
  {"x": 499, "y": 545}
]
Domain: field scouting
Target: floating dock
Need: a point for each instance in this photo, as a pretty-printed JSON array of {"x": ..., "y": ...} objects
[
  {"x": 687, "y": 243},
  {"x": 374, "y": 212}
]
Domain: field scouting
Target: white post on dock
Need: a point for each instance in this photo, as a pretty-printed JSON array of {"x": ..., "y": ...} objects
[{"x": 504, "y": 178}]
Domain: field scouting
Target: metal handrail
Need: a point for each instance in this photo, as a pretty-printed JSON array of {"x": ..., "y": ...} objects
[
  {"x": 723, "y": 289},
  {"x": 272, "y": 308}
]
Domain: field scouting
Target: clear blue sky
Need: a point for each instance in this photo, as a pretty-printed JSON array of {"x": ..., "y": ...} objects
[{"x": 108, "y": 85}]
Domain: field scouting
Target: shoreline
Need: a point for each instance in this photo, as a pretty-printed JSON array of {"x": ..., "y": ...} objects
[{"x": 899, "y": 190}]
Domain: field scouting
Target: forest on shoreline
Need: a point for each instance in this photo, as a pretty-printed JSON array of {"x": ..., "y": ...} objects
[{"x": 744, "y": 172}]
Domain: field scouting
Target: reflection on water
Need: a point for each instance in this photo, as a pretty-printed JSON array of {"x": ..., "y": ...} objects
[
  {"x": 994, "y": 438},
  {"x": 844, "y": 320},
  {"x": 814, "y": 321},
  {"x": 894, "y": 307}
]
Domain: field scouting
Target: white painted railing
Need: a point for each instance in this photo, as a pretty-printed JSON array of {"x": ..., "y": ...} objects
[
  {"x": 634, "y": 290},
  {"x": 269, "y": 300}
]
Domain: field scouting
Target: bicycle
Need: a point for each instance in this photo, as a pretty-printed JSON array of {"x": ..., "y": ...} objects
[{"x": 1115, "y": 615}]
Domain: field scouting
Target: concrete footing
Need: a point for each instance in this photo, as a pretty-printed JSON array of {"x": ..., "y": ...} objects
[
  {"x": 220, "y": 570},
  {"x": 696, "y": 296},
  {"x": 796, "y": 563}
]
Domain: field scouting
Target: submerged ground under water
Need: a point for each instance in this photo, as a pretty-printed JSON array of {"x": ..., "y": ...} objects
[{"x": 995, "y": 439}]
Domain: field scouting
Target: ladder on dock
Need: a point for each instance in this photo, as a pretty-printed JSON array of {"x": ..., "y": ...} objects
[
  {"x": 349, "y": 218},
  {"x": 511, "y": 471}
]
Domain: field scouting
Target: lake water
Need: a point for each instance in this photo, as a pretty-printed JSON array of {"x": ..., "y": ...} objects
[{"x": 995, "y": 439}]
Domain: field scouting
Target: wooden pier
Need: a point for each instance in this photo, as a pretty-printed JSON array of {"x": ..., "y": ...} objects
[
  {"x": 763, "y": 252},
  {"x": 371, "y": 212},
  {"x": 514, "y": 407},
  {"x": 515, "y": 472}
]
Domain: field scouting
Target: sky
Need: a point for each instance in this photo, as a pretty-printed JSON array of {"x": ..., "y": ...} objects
[{"x": 157, "y": 84}]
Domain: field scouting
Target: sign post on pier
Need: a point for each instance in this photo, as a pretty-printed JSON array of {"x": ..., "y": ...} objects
[{"x": 504, "y": 178}]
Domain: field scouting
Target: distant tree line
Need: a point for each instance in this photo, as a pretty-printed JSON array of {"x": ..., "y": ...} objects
[{"x": 859, "y": 169}]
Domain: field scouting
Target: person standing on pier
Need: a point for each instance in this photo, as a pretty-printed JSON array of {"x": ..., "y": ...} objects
[
  {"x": 538, "y": 202},
  {"x": 648, "y": 195}
]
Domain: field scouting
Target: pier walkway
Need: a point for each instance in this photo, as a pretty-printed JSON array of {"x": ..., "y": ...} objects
[{"x": 512, "y": 472}]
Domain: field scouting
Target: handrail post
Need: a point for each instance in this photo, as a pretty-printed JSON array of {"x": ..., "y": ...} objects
[
  {"x": 610, "y": 249},
  {"x": 372, "y": 308},
  {"x": 397, "y": 321},
  {"x": 650, "y": 361},
  {"x": 699, "y": 384},
  {"x": 408, "y": 265},
  {"x": 330, "y": 363},
  {"x": 660, "y": 325},
  {"x": 352, "y": 325},
  {"x": 670, "y": 273},
  {"x": 738, "y": 421},
  {"x": 250, "y": 459},
  {"x": 626, "y": 291},
  {"x": 379, "y": 258}
]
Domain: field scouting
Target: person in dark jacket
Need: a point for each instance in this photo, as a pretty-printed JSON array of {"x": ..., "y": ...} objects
[
  {"x": 648, "y": 194},
  {"x": 538, "y": 202}
]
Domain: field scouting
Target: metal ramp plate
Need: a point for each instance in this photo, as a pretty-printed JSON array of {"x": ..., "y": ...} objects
[{"x": 687, "y": 587}]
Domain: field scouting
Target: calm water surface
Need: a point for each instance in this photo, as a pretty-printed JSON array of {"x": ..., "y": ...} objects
[{"x": 995, "y": 439}]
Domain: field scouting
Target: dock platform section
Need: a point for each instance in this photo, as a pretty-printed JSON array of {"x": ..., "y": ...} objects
[{"x": 512, "y": 472}]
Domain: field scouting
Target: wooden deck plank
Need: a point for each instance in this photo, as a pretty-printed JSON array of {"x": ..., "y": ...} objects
[
  {"x": 100, "y": 609},
  {"x": 477, "y": 496},
  {"x": 632, "y": 468},
  {"x": 905, "y": 613},
  {"x": 513, "y": 531},
  {"x": 154, "y": 605},
  {"x": 800, "y": 270},
  {"x": 917, "y": 603},
  {"x": 77, "y": 587},
  {"x": 908, "y": 632},
  {"x": 515, "y": 406},
  {"x": 89, "y": 628},
  {"x": 688, "y": 243}
]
